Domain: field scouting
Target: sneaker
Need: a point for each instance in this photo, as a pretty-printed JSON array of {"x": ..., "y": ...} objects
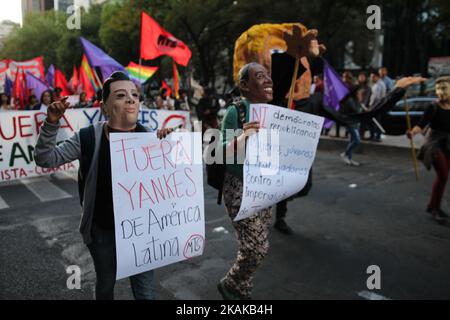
[
  {"x": 440, "y": 213},
  {"x": 437, "y": 216},
  {"x": 345, "y": 159},
  {"x": 282, "y": 226},
  {"x": 227, "y": 293},
  {"x": 354, "y": 163}
]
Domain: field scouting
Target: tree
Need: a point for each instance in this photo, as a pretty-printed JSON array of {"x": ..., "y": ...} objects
[
  {"x": 69, "y": 50},
  {"x": 413, "y": 33},
  {"x": 205, "y": 26},
  {"x": 38, "y": 37},
  {"x": 45, "y": 34}
]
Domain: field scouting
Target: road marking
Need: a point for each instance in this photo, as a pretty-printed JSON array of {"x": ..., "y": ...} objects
[
  {"x": 45, "y": 190},
  {"x": 3, "y": 204},
  {"x": 9, "y": 183},
  {"x": 220, "y": 230},
  {"x": 63, "y": 175},
  {"x": 371, "y": 296}
]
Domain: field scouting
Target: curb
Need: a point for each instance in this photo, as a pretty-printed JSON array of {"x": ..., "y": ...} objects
[{"x": 366, "y": 147}]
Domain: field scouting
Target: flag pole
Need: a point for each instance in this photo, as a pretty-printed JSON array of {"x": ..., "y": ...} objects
[
  {"x": 96, "y": 76},
  {"x": 294, "y": 79},
  {"x": 140, "y": 64},
  {"x": 413, "y": 150}
]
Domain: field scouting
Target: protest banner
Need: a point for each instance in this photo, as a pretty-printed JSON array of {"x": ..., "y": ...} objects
[
  {"x": 158, "y": 199},
  {"x": 34, "y": 66},
  {"x": 279, "y": 157},
  {"x": 19, "y": 131}
]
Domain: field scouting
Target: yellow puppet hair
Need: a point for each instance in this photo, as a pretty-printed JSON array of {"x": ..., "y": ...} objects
[{"x": 256, "y": 44}]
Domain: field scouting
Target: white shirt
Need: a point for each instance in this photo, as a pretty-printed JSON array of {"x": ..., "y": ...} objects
[
  {"x": 43, "y": 108},
  {"x": 378, "y": 93}
]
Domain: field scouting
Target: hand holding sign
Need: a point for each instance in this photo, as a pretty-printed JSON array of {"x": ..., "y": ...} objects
[
  {"x": 56, "y": 110},
  {"x": 250, "y": 128}
]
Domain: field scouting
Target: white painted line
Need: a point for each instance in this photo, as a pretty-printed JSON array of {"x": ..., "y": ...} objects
[
  {"x": 9, "y": 183},
  {"x": 371, "y": 295},
  {"x": 64, "y": 175},
  {"x": 44, "y": 189},
  {"x": 220, "y": 230},
  {"x": 3, "y": 204}
]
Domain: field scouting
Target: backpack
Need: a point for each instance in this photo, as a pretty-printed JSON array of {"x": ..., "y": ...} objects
[
  {"x": 87, "y": 143},
  {"x": 215, "y": 172}
]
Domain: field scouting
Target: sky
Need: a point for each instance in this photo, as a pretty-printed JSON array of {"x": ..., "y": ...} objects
[{"x": 11, "y": 10}]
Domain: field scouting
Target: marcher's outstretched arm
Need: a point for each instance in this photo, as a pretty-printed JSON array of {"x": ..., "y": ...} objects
[{"x": 46, "y": 153}]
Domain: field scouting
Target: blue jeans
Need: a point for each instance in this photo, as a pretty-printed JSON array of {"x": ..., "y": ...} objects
[
  {"x": 103, "y": 252},
  {"x": 354, "y": 141}
]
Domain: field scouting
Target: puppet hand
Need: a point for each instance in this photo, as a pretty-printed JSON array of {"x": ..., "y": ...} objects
[{"x": 306, "y": 45}]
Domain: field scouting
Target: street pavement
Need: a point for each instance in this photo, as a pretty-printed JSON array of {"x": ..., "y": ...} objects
[{"x": 354, "y": 217}]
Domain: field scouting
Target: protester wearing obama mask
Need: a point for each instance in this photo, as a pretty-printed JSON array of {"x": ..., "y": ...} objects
[{"x": 90, "y": 145}]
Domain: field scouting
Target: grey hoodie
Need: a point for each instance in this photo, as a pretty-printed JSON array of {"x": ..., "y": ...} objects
[{"x": 48, "y": 155}]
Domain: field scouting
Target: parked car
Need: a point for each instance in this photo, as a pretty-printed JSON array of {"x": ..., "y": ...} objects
[{"x": 394, "y": 121}]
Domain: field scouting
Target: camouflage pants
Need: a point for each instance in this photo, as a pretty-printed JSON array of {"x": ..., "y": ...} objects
[{"x": 252, "y": 235}]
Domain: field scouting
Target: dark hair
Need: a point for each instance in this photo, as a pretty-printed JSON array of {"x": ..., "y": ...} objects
[
  {"x": 208, "y": 91},
  {"x": 443, "y": 79},
  {"x": 163, "y": 92},
  {"x": 58, "y": 89},
  {"x": 244, "y": 73},
  {"x": 115, "y": 76},
  {"x": 51, "y": 96},
  {"x": 8, "y": 101},
  {"x": 31, "y": 97}
]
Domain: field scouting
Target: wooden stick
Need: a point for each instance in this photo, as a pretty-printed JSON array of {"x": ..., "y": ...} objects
[
  {"x": 294, "y": 79},
  {"x": 413, "y": 149}
]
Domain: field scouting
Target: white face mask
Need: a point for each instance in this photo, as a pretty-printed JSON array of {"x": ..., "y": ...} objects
[{"x": 443, "y": 91}]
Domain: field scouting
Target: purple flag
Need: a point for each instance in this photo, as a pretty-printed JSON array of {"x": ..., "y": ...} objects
[
  {"x": 50, "y": 76},
  {"x": 8, "y": 86},
  {"x": 98, "y": 58},
  {"x": 37, "y": 84},
  {"x": 334, "y": 90}
]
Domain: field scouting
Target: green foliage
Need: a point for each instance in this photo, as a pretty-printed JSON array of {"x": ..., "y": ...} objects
[
  {"x": 413, "y": 33},
  {"x": 69, "y": 51},
  {"x": 37, "y": 37},
  {"x": 47, "y": 35}
]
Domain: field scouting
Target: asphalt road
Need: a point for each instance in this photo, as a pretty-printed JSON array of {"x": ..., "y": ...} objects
[{"x": 352, "y": 218}]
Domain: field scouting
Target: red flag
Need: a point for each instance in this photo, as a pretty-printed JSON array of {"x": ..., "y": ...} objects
[
  {"x": 61, "y": 82},
  {"x": 86, "y": 84},
  {"x": 155, "y": 41},
  {"x": 74, "y": 82},
  {"x": 176, "y": 81},
  {"x": 169, "y": 90},
  {"x": 19, "y": 90}
]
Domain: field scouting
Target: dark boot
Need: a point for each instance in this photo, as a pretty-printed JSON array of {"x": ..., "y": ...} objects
[{"x": 282, "y": 226}]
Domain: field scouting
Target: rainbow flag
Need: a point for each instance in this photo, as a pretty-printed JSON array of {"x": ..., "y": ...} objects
[
  {"x": 140, "y": 73},
  {"x": 92, "y": 76}
]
